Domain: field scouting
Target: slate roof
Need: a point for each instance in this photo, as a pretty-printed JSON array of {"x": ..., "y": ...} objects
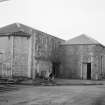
[{"x": 82, "y": 39}]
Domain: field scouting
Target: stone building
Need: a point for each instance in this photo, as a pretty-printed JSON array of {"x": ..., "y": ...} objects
[
  {"x": 82, "y": 58},
  {"x": 26, "y": 52}
]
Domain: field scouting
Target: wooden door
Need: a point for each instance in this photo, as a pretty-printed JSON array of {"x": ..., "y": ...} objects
[
  {"x": 84, "y": 71},
  {"x": 20, "y": 56}
]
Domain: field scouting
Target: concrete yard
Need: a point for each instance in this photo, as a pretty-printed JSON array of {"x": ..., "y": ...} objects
[{"x": 54, "y": 95}]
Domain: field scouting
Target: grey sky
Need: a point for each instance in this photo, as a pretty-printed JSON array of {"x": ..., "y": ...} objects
[{"x": 63, "y": 18}]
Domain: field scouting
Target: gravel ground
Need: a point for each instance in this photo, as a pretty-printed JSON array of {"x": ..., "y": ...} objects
[{"x": 54, "y": 95}]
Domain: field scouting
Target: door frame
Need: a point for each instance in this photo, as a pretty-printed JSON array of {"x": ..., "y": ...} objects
[
  {"x": 84, "y": 72},
  {"x": 88, "y": 71}
]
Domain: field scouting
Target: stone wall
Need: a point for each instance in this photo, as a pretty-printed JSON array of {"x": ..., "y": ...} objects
[
  {"x": 46, "y": 46},
  {"x": 74, "y": 56},
  {"x": 45, "y": 52},
  {"x": 5, "y": 55}
]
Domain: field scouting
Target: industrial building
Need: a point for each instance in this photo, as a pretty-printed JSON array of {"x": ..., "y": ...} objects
[
  {"x": 82, "y": 58},
  {"x": 28, "y": 52}
]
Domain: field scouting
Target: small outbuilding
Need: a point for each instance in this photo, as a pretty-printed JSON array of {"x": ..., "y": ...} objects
[{"x": 82, "y": 58}]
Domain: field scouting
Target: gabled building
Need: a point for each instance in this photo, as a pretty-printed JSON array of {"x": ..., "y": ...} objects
[
  {"x": 82, "y": 58},
  {"x": 26, "y": 52}
]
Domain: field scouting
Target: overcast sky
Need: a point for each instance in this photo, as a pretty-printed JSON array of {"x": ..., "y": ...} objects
[{"x": 63, "y": 18}]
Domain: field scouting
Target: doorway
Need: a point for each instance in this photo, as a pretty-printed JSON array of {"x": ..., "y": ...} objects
[
  {"x": 88, "y": 71},
  {"x": 55, "y": 69}
]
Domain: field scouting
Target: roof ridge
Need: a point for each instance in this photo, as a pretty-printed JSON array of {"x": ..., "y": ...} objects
[
  {"x": 18, "y": 25},
  {"x": 82, "y": 39}
]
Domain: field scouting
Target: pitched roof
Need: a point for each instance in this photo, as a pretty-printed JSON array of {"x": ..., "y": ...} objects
[
  {"x": 82, "y": 39},
  {"x": 15, "y": 27}
]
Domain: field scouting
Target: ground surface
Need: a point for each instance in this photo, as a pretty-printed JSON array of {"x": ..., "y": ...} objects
[{"x": 54, "y": 95}]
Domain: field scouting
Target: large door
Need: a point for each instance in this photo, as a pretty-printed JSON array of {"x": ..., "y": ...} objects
[
  {"x": 20, "y": 56},
  {"x": 86, "y": 71}
]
